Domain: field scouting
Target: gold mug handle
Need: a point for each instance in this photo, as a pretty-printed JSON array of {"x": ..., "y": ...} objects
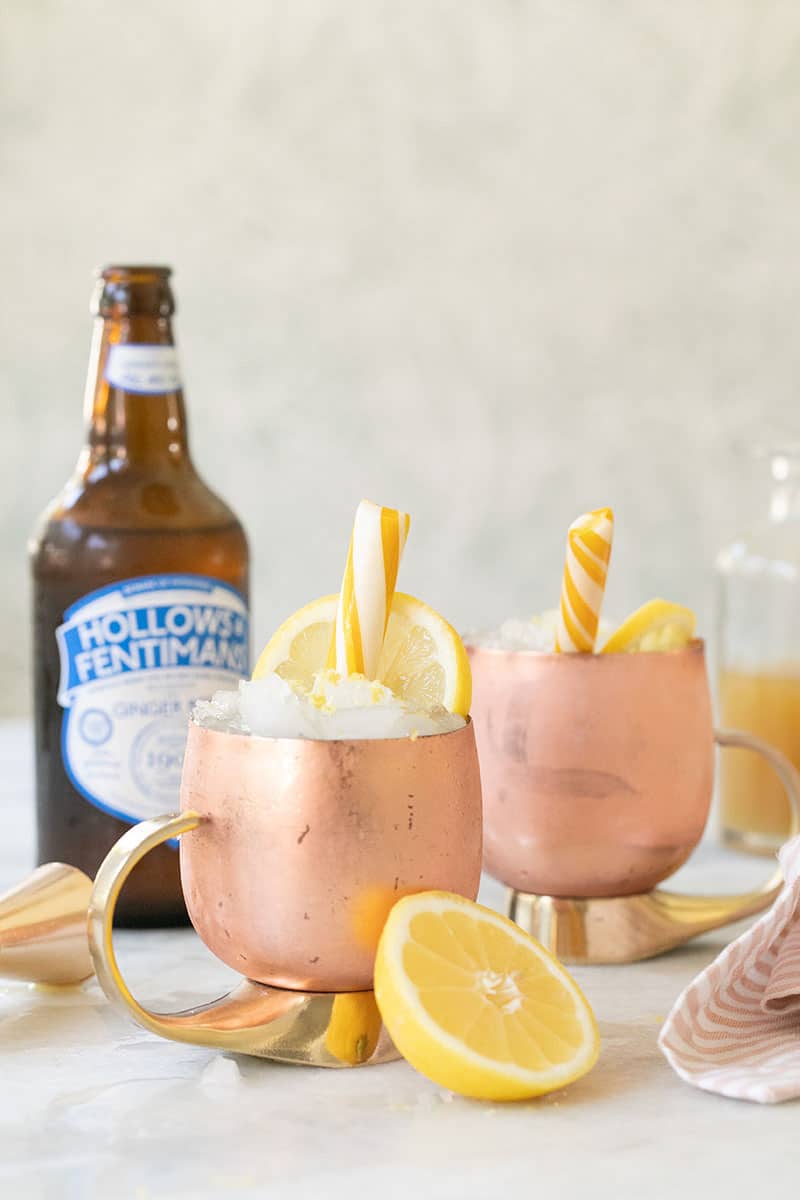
[
  {"x": 629, "y": 928},
  {"x": 321, "y": 1029},
  {"x": 118, "y": 864},
  {"x": 702, "y": 913}
]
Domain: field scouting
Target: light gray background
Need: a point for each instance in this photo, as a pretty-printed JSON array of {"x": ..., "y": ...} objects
[{"x": 494, "y": 262}]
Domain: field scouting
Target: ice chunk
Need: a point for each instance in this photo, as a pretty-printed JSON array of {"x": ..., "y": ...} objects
[
  {"x": 270, "y": 708},
  {"x": 220, "y": 712}
]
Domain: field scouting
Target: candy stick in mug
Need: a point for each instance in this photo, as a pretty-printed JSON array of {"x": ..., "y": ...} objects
[
  {"x": 365, "y": 601},
  {"x": 585, "y": 570}
]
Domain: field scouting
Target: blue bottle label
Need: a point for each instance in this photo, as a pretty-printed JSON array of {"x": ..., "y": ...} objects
[{"x": 134, "y": 658}]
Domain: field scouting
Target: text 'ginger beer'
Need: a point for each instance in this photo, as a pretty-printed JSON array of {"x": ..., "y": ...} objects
[{"x": 140, "y": 583}]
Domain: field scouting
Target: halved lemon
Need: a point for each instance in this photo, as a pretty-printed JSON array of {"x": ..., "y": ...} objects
[
  {"x": 657, "y": 625},
  {"x": 423, "y": 659},
  {"x": 478, "y": 1005}
]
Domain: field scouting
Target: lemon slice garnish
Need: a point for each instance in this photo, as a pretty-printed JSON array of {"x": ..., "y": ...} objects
[
  {"x": 423, "y": 659},
  {"x": 657, "y": 625},
  {"x": 476, "y": 1004},
  {"x": 354, "y": 1027}
]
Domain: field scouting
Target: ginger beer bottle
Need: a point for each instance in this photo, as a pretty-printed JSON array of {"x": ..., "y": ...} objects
[{"x": 140, "y": 577}]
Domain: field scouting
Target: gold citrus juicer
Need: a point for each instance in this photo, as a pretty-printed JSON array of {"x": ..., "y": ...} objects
[
  {"x": 597, "y": 775},
  {"x": 292, "y": 853}
]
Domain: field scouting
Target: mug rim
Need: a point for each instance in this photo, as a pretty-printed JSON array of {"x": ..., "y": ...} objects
[
  {"x": 695, "y": 647},
  {"x": 302, "y": 741}
]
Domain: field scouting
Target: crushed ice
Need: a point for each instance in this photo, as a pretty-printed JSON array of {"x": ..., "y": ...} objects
[
  {"x": 537, "y": 634},
  {"x": 338, "y": 707}
]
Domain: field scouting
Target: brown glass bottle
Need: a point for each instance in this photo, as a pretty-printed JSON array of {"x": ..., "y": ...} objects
[{"x": 140, "y": 583}]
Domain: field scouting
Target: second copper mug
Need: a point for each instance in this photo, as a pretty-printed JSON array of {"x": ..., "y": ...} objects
[{"x": 597, "y": 769}]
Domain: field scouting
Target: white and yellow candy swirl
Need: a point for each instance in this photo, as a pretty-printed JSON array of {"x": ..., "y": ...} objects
[
  {"x": 588, "y": 552},
  {"x": 365, "y": 601}
]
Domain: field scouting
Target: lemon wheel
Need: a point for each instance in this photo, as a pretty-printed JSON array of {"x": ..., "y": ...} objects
[{"x": 423, "y": 659}]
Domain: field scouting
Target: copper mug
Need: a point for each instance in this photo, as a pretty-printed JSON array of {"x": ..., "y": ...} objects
[
  {"x": 597, "y": 775},
  {"x": 304, "y": 846},
  {"x": 292, "y": 854}
]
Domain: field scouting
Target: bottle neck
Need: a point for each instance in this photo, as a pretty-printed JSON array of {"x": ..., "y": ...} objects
[{"x": 134, "y": 398}]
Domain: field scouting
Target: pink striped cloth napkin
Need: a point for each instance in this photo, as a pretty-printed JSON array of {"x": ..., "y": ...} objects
[{"x": 736, "y": 1028}]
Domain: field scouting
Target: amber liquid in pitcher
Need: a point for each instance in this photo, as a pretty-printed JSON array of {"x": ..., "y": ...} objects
[
  {"x": 757, "y": 626},
  {"x": 754, "y": 810},
  {"x": 134, "y": 514}
]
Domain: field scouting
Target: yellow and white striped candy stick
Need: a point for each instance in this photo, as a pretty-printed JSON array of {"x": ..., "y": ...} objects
[
  {"x": 365, "y": 601},
  {"x": 585, "y": 570}
]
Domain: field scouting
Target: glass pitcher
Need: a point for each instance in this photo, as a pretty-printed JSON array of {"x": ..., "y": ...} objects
[{"x": 758, "y": 657}]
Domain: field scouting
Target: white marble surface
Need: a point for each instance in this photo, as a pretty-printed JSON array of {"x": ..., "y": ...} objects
[{"x": 93, "y": 1106}]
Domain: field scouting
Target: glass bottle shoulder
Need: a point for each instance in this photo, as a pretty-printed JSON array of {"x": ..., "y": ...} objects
[
  {"x": 765, "y": 546},
  {"x": 130, "y": 522},
  {"x": 124, "y": 497}
]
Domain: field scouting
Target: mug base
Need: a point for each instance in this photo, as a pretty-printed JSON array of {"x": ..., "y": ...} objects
[
  {"x": 626, "y": 929},
  {"x": 316, "y": 1029}
]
